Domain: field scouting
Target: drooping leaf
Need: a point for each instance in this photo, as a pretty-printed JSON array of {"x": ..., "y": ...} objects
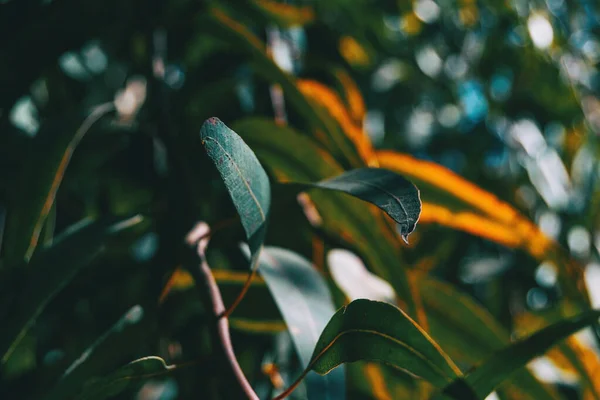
[
  {"x": 126, "y": 377},
  {"x": 387, "y": 190},
  {"x": 487, "y": 376},
  {"x": 292, "y": 157},
  {"x": 40, "y": 179},
  {"x": 245, "y": 179},
  {"x": 113, "y": 347},
  {"x": 375, "y": 331},
  {"x": 52, "y": 269},
  {"x": 302, "y": 296}
]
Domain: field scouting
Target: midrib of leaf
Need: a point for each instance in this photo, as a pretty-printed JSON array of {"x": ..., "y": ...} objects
[
  {"x": 409, "y": 348},
  {"x": 241, "y": 175}
]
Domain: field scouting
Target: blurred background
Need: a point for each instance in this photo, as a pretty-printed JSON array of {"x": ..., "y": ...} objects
[{"x": 503, "y": 93}]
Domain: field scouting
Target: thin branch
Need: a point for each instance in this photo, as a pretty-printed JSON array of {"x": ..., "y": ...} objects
[{"x": 222, "y": 327}]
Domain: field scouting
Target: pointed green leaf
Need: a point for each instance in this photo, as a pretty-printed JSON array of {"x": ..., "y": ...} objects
[
  {"x": 52, "y": 269},
  {"x": 389, "y": 191},
  {"x": 376, "y": 331},
  {"x": 245, "y": 179},
  {"x": 487, "y": 376},
  {"x": 303, "y": 298}
]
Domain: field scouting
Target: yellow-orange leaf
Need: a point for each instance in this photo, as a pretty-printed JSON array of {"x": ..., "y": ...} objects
[
  {"x": 352, "y": 95},
  {"x": 286, "y": 14},
  {"x": 329, "y": 99}
]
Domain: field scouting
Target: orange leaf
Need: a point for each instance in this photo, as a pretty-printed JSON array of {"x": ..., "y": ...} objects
[{"x": 329, "y": 99}]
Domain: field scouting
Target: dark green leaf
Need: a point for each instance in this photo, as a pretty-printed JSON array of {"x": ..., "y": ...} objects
[
  {"x": 113, "y": 347},
  {"x": 376, "y": 331},
  {"x": 387, "y": 190},
  {"x": 52, "y": 269},
  {"x": 487, "y": 376},
  {"x": 302, "y": 296},
  {"x": 244, "y": 177},
  {"x": 128, "y": 376}
]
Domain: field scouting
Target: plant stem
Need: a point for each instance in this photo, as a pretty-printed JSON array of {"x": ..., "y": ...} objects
[{"x": 222, "y": 328}]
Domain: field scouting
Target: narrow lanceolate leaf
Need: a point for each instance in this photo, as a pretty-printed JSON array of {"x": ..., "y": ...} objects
[
  {"x": 286, "y": 15},
  {"x": 245, "y": 179},
  {"x": 387, "y": 190},
  {"x": 303, "y": 298},
  {"x": 126, "y": 377},
  {"x": 51, "y": 270},
  {"x": 39, "y": 181},
  {"x": 110, "y": 350},
  {"x": 487, "y": 376},
  {"x": 375, "y": 331}
]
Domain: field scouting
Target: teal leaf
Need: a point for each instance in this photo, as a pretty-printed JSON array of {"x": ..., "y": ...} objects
[
  {"x": 487, "y": 376},
  {"x": 303, "y": 298},
  {"x": 244, "y": 177}
]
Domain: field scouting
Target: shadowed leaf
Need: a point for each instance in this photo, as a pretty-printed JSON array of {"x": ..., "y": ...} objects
[{"x": 54, "y": 268}]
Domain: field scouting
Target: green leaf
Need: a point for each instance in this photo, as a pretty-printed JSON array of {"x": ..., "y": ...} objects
[
  {"x": 245, "y": 179},
  {"x": 487, "y": 376},
  {"x": 42, "y": 175},
  {"x": 24, "y": 298},
  {"x": 469, "y": 333},
  {"x": 113, "y": 347},
  {"x": 126, "y": 377},
  {"x": 290, "y": 156},
  {"x": 389, "y": 191},
  {"x": 303, "y": 298},
  {"x": 376, "y": 331}
]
